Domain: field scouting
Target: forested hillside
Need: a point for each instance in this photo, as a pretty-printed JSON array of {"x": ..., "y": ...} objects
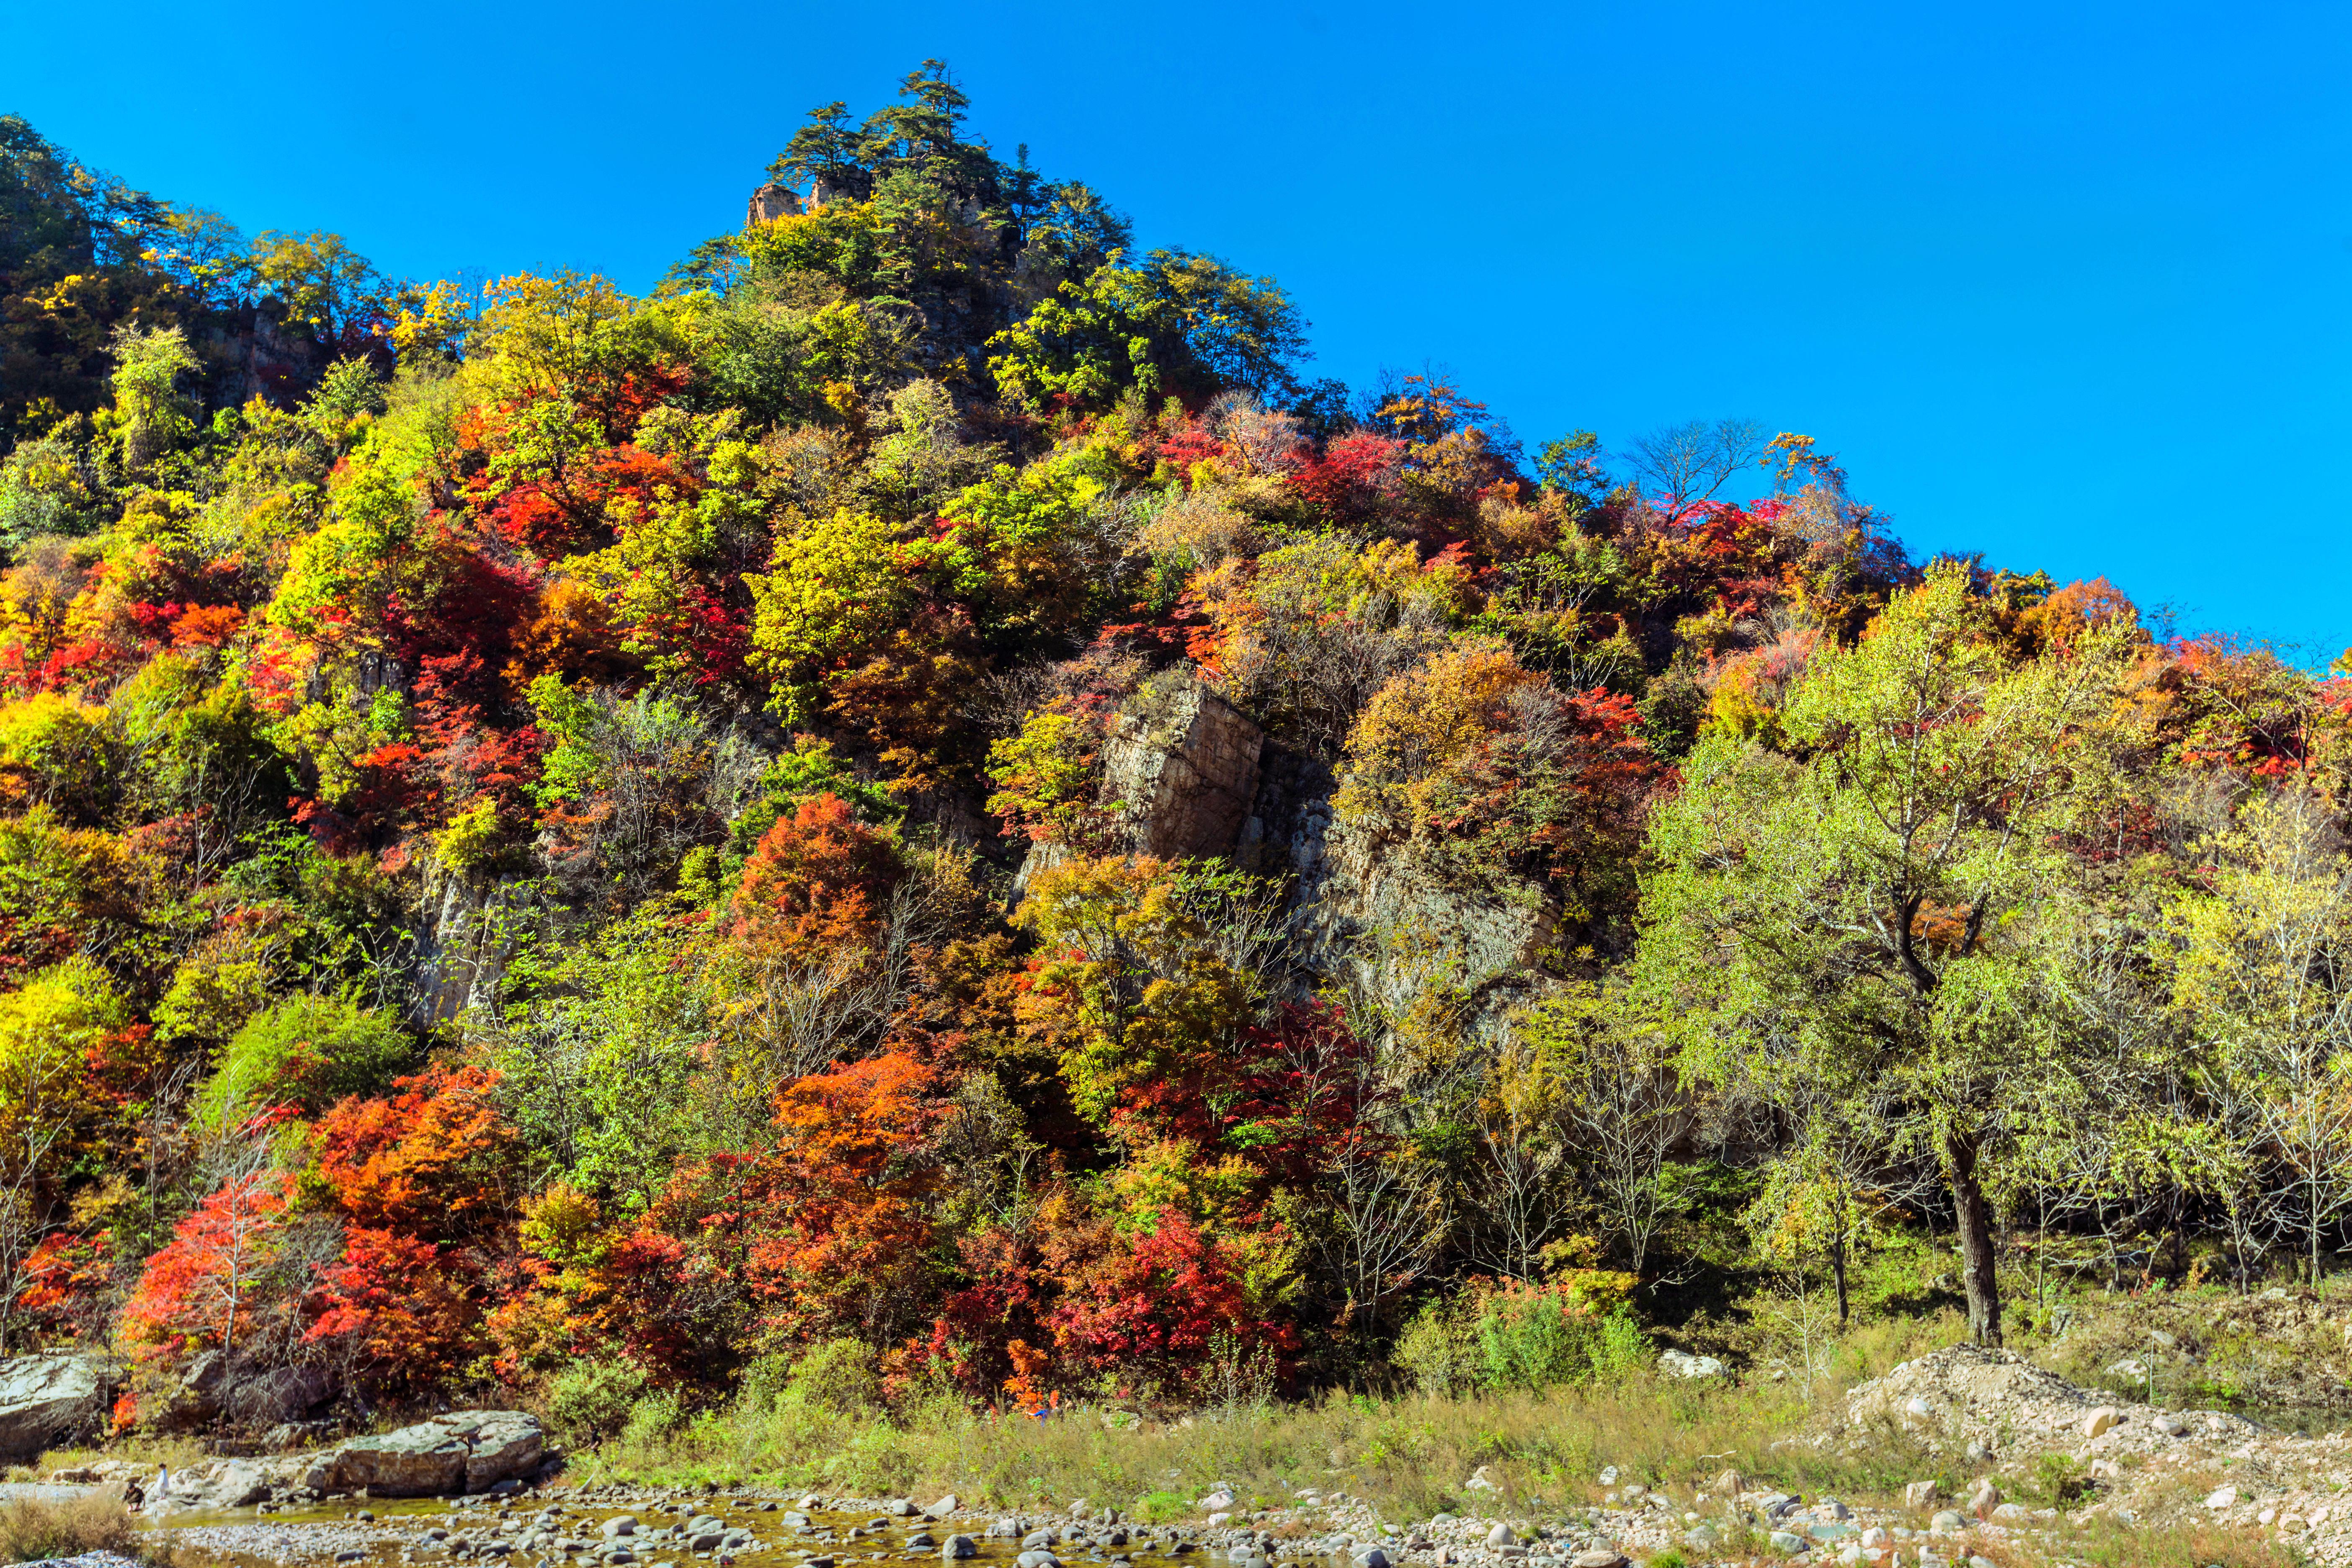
[{"x": 922, "y": 796}]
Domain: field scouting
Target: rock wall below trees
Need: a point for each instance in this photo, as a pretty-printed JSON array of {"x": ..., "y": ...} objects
[
  {"x": 461, "y": 946},
  {"x": 1182, "y": 763},
  {"x": 1192, "y": 776},
  {"x": 1390, "y": 927}
]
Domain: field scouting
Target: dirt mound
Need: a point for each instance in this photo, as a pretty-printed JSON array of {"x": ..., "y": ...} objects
[{"x": 2001, "y": 1401}]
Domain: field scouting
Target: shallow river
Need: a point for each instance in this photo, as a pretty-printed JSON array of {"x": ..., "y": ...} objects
[{"x": 333, "y": 1532}]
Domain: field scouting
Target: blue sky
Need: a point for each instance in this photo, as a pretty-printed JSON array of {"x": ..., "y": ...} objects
[{"x": 2063, "y": 283}]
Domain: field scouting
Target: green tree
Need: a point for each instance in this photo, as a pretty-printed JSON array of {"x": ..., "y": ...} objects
[
  {"x": 1873, "y": 893},
  {"x": 150, "y": 416},
  {"x": 1176, "y": 322}
]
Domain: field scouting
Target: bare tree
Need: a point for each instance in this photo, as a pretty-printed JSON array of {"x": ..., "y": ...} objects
[
  {"x": 1383, "y": 1213},
  {"x": 1518, "y": 1188},
  {"x": 1683, "y": 466},
  {"x": 1611, "y": 1082},
  {"x": 33, "y": 1122},
  {"x": 1379, "y": 1212}
]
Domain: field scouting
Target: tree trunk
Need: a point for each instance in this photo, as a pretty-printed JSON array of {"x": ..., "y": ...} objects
[
  {"x": 2312, "y": 1188},
  {"x": 1837, "y": 1272},
  {"x": 1974, "y": 1221}
]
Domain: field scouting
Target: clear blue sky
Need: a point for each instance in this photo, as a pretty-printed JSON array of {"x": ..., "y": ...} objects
[{"x": 2063, "y": 283}]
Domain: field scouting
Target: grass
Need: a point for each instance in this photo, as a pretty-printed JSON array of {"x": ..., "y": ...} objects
[
  {"x": 1407, "y": 1456},
  {"x": 2195, "y": 1544},
  {"x": 137, "y": 1449},
  {"x": 31, "y": 1529}
]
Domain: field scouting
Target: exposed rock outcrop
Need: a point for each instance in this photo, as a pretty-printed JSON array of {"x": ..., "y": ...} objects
[
  {"x": 1384, "y": 919},
  {"x": 1182, "y": 762},
  {"x": 467, "y": 1451},
  {"x": 47, "y": 1401},
  {"x": 770, "y": 202},
  {"x": 213, "y": 1390},
  {"x": 461, "y": 944}
]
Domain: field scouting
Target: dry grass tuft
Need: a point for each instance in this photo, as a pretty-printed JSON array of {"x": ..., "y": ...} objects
[{"x": 31, "y": 1529}]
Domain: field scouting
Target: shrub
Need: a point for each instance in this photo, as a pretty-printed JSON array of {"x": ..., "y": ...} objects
[
  {"x": 307, "y": 1051},
  {"x": 2060, "y": 1479},
  {"x": 655, "y": 1415},
  {"x": 591, "y": 1400},
  {"x": 1438, "y": 1352},
  {"x": 837, "y": 1375},
  {"x": 1513, "y": 1335}
]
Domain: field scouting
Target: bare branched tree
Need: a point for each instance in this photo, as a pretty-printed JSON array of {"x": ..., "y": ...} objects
[
  {"x": 33, "y": 1123},
  {"x": 1684, "y": 465}
]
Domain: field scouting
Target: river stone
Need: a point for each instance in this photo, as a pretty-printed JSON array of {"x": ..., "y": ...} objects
[{"x": 47, "y": 1400}]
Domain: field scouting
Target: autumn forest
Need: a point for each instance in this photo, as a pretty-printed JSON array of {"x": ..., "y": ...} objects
[{"x": 924, "y": 800}]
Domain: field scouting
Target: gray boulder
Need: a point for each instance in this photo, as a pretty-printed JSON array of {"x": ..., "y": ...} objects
[
  {"x": 49, "y": 1400},
  {"x": 1682, "y": 1363},
  {"x": 236, "y": 1484},
  {"x": 467, "y": 1451}
]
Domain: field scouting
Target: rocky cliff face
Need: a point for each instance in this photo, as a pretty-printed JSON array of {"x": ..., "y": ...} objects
[
  {"x": 1182, "y": 763},
  {"x": 254, "y": 351},
  {"x": 461, "y": 945},
  {"x": 1193, "y": 776},
  {"x": 1386, "y": 924}
]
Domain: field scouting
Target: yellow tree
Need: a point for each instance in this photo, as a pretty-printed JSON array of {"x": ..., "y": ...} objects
[{"x": 2263, "y": 969}]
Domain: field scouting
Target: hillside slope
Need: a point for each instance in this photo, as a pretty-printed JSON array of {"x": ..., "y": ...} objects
[{"x": 917, "y": 801}]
